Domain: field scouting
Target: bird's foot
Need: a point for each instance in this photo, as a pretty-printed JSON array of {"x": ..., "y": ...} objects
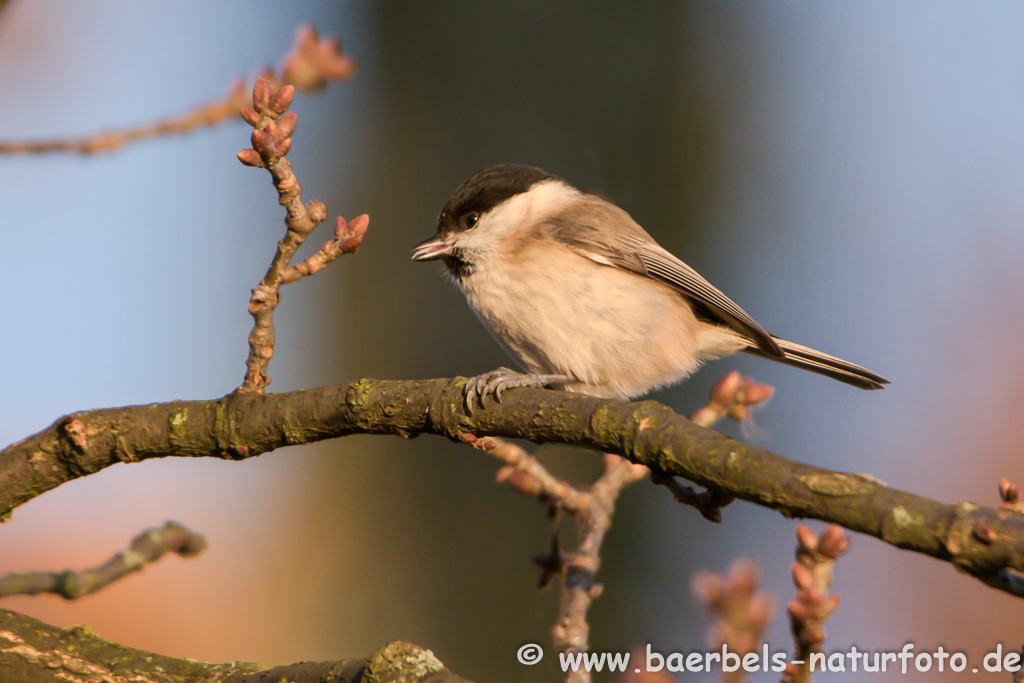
[{"x": 496, "y": 381}]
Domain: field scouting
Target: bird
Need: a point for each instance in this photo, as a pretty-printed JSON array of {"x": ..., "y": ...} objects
[{"x": 584, "y": 299}]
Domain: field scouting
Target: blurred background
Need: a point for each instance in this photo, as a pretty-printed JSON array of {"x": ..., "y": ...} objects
[{"x": 852, "y": 173}]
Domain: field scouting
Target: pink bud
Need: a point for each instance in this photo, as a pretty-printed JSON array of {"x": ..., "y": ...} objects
[
  {"x": 1008, "y": 491},
  {"x": 282, "y": 99},
  {"x": 757, "y": 394},
  {"x": 707, "y": 586},
  {"x": 250, "y": 116},
  {"x": 806, "y": 538},
  {"x": 261, "y": 143},
  {"x": 833, "y": 542},
  {"x": 287, "y": 123},
  {"x": 261, "y": 94},
  {"x": 803, "y": 577},
  {"x": 724, "y": 391},
  {"x": 797, "y": 612},
  {"x": 743, "y": 574},
  {"x": 249, "y": 157},
  {"x": 273, "y": 131},
  {"x": 350, "y": 235}
]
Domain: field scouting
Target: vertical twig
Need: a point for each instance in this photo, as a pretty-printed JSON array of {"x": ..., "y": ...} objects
[
  {"x": 812, "y": 575},
  {"x": 273, "y": 126},
  {"x": 739, "y": 611},
  {"x": 593, "y": 507}
]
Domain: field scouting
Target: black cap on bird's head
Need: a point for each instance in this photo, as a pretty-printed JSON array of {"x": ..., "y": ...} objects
[
  {"x": 479, "y": 194},
  {"x": 484, "y": 191}
]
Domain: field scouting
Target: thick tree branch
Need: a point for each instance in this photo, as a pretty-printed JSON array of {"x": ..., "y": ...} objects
[
  {"x": 34, "y": 652},
  {"x": 982, "y": 541}
]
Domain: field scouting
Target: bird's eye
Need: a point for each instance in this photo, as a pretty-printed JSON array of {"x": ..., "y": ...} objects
[{"x": 470, "y": 219}]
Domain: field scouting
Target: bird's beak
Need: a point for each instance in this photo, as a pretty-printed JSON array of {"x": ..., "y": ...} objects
[{"x": 430, "y": 249}]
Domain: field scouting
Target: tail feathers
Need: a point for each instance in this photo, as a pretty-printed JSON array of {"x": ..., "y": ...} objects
[{"x": 824, "y": 364}]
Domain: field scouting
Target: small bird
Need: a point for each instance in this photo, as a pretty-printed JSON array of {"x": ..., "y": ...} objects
[{"x": 584, "y": 299}]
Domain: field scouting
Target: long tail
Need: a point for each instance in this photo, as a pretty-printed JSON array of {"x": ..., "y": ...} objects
[{"x": 824, "y": 364}]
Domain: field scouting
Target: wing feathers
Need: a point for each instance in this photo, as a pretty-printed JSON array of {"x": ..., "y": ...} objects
[
  {"x": 628, "y": 246},
  {"x": 605, "y": 234},
  {"x": 663, "y": 266}
]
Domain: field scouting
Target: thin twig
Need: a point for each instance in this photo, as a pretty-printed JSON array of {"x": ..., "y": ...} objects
[
  {"x": 273, "y": 126},
  {"x": 146, "y": 548},
  {"x": 312, "y": 63},
  {"x": 571, "y": 631},
  {"x": 593, "y": 508},
  {"x": 739, "y": 611},
  {"x": 812, "y": 575},
  {"x": 527, "y": 475}
]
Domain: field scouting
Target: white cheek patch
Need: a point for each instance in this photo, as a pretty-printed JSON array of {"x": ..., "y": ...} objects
[{"x": 529, "y": 208}]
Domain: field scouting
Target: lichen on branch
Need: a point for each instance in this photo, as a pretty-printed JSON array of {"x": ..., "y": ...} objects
[{"x": 985, "y": 542}]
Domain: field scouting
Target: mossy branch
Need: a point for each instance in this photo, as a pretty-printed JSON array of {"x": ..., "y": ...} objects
[
  {"x": 34, "y": 652},
  {"x": 981, "y": 541}
]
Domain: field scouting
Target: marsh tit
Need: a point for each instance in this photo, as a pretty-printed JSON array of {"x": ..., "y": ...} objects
[{"x": 584, "y": 299}]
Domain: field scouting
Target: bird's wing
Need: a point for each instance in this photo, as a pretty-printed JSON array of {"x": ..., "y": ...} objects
[{"x": 628, "y": 246}]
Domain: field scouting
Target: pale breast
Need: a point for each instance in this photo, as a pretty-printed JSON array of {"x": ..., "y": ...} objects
[{"x": 619, "y": 333}]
